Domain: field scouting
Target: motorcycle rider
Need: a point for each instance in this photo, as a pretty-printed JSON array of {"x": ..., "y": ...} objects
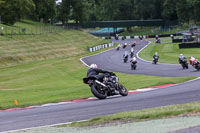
[
  {"x": 94, "y": 71},
  {"x": 118, "y": 46},
  {"x": 156, "y": 55},
  {"x": 193, "y": 61},
  {"x": 125, "y": 54},
  {"x": 133, "y": 60},
  {"x": 181, "y": 58},
  {"x": 125, "y": 44},
  {"x": 132, "y": 52}
]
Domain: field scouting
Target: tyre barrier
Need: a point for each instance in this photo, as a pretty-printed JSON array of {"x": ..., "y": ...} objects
[
  {"x": 102, "y": 46},
  {"x": 182, "y": 40},
  {"x": 189, "y": 45}
]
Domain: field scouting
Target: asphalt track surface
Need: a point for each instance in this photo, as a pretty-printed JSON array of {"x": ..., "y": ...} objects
[{"x": 110, "y": 60}]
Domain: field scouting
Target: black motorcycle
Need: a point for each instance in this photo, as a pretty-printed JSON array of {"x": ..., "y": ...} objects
[
  {"x": 132, "y": 54},
  {"x": 118, "y": 48},
  {"x": 109, "y": 87},
  {"x": 158, "y": 41},
  {"x": 155, "y": 60},
  {"x": 124, "y": 46},
  {"x": 125, "y": 59},
  {"x": 184, "y": 64},
  {"x": 133, "y": 66},
  {"x": 197, "y": 66}
]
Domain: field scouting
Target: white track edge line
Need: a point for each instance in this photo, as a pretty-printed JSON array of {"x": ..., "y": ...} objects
[
  {"x": 137, "y": 55},
  {"x": 51, "y": 125}
]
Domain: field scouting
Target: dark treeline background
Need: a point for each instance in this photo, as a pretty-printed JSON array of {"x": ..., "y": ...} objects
[{"x": 81, "y": 11}]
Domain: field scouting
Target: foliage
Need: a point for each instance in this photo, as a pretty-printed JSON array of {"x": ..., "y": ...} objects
[
  {"x": 45, "y": 10},
  {"x": 82, "y": 11},
  {"x": 13, "y": 10}
]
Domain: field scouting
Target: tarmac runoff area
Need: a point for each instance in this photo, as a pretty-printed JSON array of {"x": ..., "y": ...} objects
[{"x": 170, "y": 125}]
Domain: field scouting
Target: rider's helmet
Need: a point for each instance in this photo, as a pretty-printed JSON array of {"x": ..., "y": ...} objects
[
  {"x": 93, "y": 66},
  {"x": 181, "y": 54},
  {"x": 132, "y": 49},
  {"x": 125, "y": 43},
  {"x": 134, "y": 59},
  {"x": 156, "y": 53}
]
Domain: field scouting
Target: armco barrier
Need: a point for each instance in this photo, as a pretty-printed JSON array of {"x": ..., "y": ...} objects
[
  {"x": 143, "y": 36},
  {"x": 95, "y": 48},
  {"x": 189, "y": 45}
]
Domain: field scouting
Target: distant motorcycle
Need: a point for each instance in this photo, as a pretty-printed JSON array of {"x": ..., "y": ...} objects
[
  {"x": 155, "y": 60},
  {"x": 133, "y": 66},
  {"x": 109, "y": 87},
  {"x": 125, "y": 59},
  {"x": 197, "y": 66},
  {"x": 184, "y": 64},
  {"x": 132, "y": 54},
  {"x": 158, "y": 41}
]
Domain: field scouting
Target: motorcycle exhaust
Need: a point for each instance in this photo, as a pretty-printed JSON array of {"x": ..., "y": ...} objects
[{"x": 100, "y": 83}]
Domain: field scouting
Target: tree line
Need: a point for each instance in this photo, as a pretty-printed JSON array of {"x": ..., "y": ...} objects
[{"x": 82, "y": 11}]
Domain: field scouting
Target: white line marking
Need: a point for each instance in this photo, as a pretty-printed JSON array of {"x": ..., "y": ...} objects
[
  {"x": 137, "y": 55},
  {"x": 81, "y": 59},
  {"x": 40, "y": 127}
]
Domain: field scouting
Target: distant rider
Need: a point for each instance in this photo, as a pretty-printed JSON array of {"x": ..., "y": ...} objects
[
  {"x": 133, "y": 61},
  {"x": 156, "y": 55},
  {"x": 181, "y": 58},
  {"x": 118, "y": 46},
  {"x": 125, "y": 54},
  {"x": 132, "y": 52},
  {"x": 125, "y": 44},
  {"x": 94, "y": 71},
  {"x": 193, "y": 61}
]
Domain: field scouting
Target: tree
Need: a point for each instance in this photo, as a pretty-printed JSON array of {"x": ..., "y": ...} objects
[
  {"x": 13, "y": 10},
  {"x": 79, "y": 11},
  {"x": 63, "y": 10},
  {"x": 45, "y": 9},
  {"x": 182, "y": 11},
  {"x": 194, "y": 8},
  {"x": 169, "y": 10}
]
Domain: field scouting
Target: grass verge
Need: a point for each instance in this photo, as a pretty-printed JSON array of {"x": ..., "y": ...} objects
[
  {"x": 168, "y": 52},
  {"x": 141, "y": 115}
]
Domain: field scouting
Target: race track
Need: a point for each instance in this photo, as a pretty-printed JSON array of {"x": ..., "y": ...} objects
[{"x": 110, "y": 60}]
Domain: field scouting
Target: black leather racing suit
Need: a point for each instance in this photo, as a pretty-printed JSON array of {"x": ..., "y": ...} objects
[{"x": 95, "y": 72}]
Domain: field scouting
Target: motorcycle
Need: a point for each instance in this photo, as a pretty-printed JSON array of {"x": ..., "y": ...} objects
[
  {"x": 109, "y": 87},
  {"x": 132, "y": 54},
  {"x": 155, "y": 60},
  {"x": 118, "y": 48},
  {"x": 197, "y": 66},
  {"x": 124, "y": 46},
  {"x": 125, "y": 59},
  {"x": 133, "y": 66},
  {"x": 158, "y": 41},
  {"x": 184, "y": 64}
]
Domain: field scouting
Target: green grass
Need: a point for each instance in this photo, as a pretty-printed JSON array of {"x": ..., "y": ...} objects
[
  {"x": 142, "y": 115},
  {"x": 168, "y": 52},
  {"x": 38, "y": 69},
  {"x": 151, "y": 31}
]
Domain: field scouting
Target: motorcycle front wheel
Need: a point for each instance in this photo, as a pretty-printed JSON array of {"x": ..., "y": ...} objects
[
  {"x": 122, "y": 90},
  {"x": 97, "y": 92}
]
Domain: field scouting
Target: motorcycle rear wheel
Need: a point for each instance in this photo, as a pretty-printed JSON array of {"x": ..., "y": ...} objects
[
  {"x": 98, "y": 93},
  {"x": 122, "y": 90}
]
